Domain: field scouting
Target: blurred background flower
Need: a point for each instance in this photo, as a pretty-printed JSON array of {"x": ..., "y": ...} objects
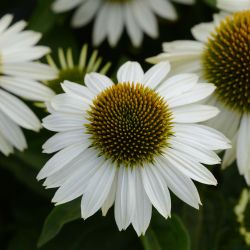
[
  {"x": 112, "y": 16},
  {"x": 20, "y": 76},
  {"x": 68, "y": 69}
]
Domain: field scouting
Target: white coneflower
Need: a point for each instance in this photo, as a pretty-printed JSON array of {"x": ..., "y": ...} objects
[
  {"x": 19, "y": 76},
  {"x": 129, "y": 143},
  {"x": 233, "y": 5},
  {"x": 221, "y": 56},
  {"x": 111, "y": 16},
  {"x": 75, "y": 72}
]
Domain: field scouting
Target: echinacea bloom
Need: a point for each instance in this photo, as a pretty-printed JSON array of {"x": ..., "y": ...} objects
[
  {"x": 233, "y": 5},
  {"x": 112, "y": 16},
  {"x": 221, "y": 56},
  {"x": 20, "y": 76},
  {"x": 75, "y": 71},
  {"x": 129, "y": 143}
]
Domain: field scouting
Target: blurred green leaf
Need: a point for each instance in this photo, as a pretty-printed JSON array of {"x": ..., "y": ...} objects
[
  {"x": 166, "y": 235},
  {"x": 58, "y": 217},
  {"x": 211, "y": 3},
  {"x": 42, "y": 19},
  {"x": 150, "y": 241}
]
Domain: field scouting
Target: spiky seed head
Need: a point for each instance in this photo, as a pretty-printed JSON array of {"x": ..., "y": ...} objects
[
  {"x": 226, "y": 61},
  {"x": 129, "y": 124}
]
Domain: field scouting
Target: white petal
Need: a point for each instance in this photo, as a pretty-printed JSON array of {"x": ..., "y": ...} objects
[
  {"x": 177, "y": 85},
  {"x": 74, "y": 169},
  {"x": 210, "y": 138},
  {"x": 64, "y": 139},
  {"x": 243, "y": 144},
  {"x": 156, "y": 189},
  {"x": 194, "y": 113},
  {"x": 12, "y": 132},
  {"x": 197, "y": 93},
  {"x": 190, "y": 168},
  {"x": 5, "y": 21},
  {"x": 18, "y": 111},
  {"x": 78, "y": 91},
  {"x": 85, "y": 13},
  {"x": 31, "y": 70},
  {"x": 115, "y": 23},
  {"x": 26, "y": 88},
  {"x": 97, "y": 82},
  {"x": 143, "y": 207},
  {"x": 77, "y": 182},
  {"x": 195, "y": 150},
  {"x": 59, "y": 122},
  {"x": 12, "y": 31},
  {"x": 181, "y": 185},
  {"x": 230, "y": 154},
  {"x": 183, "y": 46},
  {"x": 156, "y": 74},
  {"x": 227, "y": 121},
  {"x": 125, "y": 197},
  {"x": 130, "y": 72},
  {"x": 108, "y": 203},
  {"x": 60, "y": 159},
  {"x": 145, "y": 18},
  {"x": 24, "y": 55},
  {"x": 202, "y": 31},
  {"x": 5, "y": 146},
  {"x": 68, "y": 104},
  {"x": 233, "y": 5},
  {"x": 19, "y": 41},
  {"x": 163, "y": 9},
  {"x": 100, "y": 25},
  {"x": 134, "y": 31},
  {"x": 97, "y": 189}
]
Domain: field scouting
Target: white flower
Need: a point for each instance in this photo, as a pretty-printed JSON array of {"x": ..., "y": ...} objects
[
  {"x": 129, "y": 143},
  {"x": 233, "y": 5},
  {"x": 111, "y": 16},
  {"x": 221, "y": 56},
  {"x": 19, "y": 76}
]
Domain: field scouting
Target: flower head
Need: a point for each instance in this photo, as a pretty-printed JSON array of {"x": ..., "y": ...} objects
[
  {"x": 75, "y": 72},
  {"x": 20, "y": 76},
  {"x": 221, "y": 56},
  {"x": 129, "y": 143},
  {"x": 137, "y": 16}
]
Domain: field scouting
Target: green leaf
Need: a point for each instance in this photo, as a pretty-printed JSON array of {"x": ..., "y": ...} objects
[
  {"x": 58, "y": 217},
  {"x": 166, "y": 235},
  {"x": 42, "y": 19},
  {"x": 211, "y": 3},
  {"x": 150, "y": 241}
]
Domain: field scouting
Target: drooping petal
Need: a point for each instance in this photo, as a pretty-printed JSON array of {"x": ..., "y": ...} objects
[
  {"x": 243, "y": 144},
  {"x": 18, "y": 111},
  {"x": 156, "y": 190},
  {"x": 97, "y": 189},
  {"x": 125, "y": 197},
  {"x": 143, "y": 207},
  {"x": 181, "y": 185}
]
